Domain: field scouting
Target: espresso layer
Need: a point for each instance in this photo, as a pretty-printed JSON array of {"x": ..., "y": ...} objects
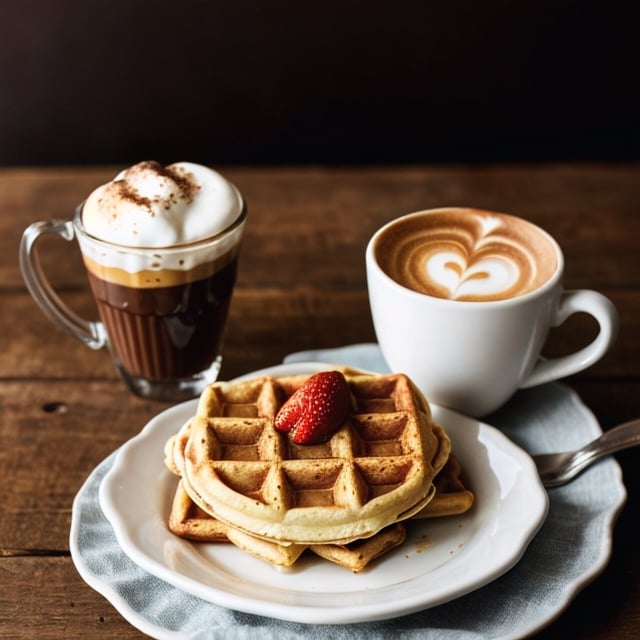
[
  {"x": 166, "y": 332},
  {"x": 466, "y": 254},
  {"x": 158, "y": 278}
]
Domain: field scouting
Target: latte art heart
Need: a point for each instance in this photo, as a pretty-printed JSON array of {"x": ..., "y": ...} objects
[
  {"x": 487, "y": 277},
  {"x": 466, "y": 254}
]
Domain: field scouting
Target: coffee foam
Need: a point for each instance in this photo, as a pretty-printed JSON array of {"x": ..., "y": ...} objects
[
  {"x": 149, "y": 205},
  {"x": 162, "y": 225},
  {"x": 150, "y": 268},
  {"x": 466, "y": 254}
]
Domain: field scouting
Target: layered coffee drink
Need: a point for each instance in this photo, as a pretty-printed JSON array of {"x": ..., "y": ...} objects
[
  {"x": 466, "y": 254},
  {"x": 160, "y": 245},
  {"x": 173, "y": 329}
]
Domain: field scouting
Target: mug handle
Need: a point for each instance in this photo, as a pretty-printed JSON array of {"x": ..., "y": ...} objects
[
  {"x": 584, "y": 301},
  {"x": 92, "y": 334}
]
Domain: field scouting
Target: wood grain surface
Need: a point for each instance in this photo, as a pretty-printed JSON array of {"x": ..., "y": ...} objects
[{"x": 301, "y": 285}]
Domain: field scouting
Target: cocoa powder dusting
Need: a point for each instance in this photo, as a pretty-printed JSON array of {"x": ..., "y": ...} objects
[
  {"x": 187, "y": 186},
  {"x": 184, "y": 180}
]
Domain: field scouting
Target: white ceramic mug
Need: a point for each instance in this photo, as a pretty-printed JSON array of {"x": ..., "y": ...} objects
[{"x": 473, "y": 354}]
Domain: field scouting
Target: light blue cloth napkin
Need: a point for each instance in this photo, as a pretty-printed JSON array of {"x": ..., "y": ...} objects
[{"x": 572, "y": 546}]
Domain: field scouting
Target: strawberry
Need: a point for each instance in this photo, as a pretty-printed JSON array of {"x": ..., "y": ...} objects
[{"x": 316, "y": 409}]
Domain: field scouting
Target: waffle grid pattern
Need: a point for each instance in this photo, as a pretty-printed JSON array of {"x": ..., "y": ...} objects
[{"x": 247, "y": 473}]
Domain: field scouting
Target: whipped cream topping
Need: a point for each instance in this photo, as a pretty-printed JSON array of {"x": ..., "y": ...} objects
[{"x": 150, "y": 205}]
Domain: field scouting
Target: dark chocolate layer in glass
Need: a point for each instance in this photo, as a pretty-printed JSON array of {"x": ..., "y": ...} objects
[{"x": 166, "y": 332}]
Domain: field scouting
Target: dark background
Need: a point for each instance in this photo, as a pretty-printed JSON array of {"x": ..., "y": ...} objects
[{"x": 284, "y": 82}]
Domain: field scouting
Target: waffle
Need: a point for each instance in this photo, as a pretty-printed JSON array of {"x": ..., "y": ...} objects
[
  {"x": 188, "y": 521},
  {"x": 358, "y": 554},
  {"x": 377, "y": 468},
  {"x": 452, "y": 496}
]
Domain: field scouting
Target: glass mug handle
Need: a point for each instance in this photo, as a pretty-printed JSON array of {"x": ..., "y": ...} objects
[
  {"x": 578, "y": 301},
  {"x": 90, "y": 333}
]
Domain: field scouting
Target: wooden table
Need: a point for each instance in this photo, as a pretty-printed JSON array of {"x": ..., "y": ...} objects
[{"x": 301, "y": 285}]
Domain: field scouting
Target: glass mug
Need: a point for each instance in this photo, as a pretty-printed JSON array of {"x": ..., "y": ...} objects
[{"x": 163, "y": 310}]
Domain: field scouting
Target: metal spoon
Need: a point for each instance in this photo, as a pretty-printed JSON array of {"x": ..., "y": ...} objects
[{"x": 558, "y": 468}]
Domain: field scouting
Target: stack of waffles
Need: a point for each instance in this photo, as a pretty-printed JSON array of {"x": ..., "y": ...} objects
[{"x": 346, "y": 499}]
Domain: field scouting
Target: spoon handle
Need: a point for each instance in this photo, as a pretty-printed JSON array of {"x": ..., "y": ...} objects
[{"x": 623, "y": 436}]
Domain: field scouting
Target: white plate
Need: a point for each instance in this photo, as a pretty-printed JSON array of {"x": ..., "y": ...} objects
[{"x": 441, "y": 559}]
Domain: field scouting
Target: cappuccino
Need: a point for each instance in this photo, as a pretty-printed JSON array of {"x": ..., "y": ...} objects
[
  {"x": 466, "y": 254},
  {"x": 473, "y": 355},
  {"x": 160, "y": 245}
]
